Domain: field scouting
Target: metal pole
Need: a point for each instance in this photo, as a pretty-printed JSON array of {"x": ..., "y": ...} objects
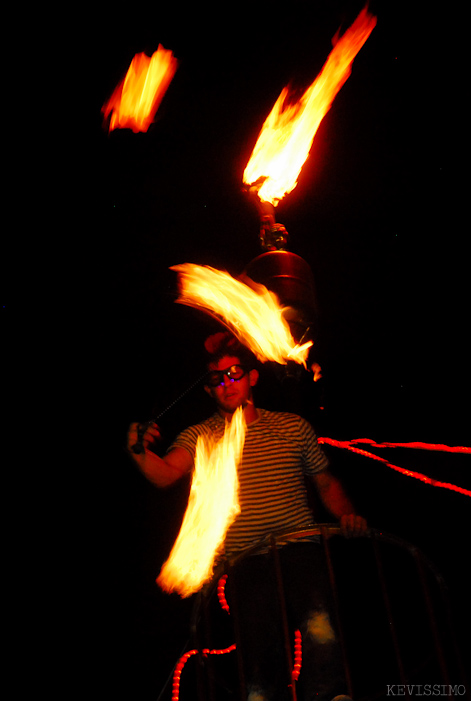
[
  {"x": 284, "y": 616},
  {"x": 387, "y": 604},
  {"x": 333, "y": 585},
  {"x": 431, "y": 618},
  {"x": 208, "y": 663},
  {"x": 235, "y": 619}
]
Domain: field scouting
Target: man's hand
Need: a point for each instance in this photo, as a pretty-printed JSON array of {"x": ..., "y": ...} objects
[
  {"x": 337, "y": 502},
  {"x": 150, "y": 435},
  {"x": 353, "y": 525},
  {"x": 163, "y": 472}
]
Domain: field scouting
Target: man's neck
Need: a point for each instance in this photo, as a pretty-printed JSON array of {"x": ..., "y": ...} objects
[{"x": 250, "y": 413}]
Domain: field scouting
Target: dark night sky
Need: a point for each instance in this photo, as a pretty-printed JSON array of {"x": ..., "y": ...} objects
[{"x": 374, "y": 215}]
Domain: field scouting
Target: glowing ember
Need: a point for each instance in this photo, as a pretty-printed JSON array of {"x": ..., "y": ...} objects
[
  {"x": 212, "y": 507},
  {"x": 253, "y": 313},
  {"x": 288, "y": 132},
  {"x": 135, "y": 101}
]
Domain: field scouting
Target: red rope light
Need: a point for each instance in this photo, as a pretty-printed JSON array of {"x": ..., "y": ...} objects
[
  {"x": 221, "y": 594},
  {"x": 348, "y": 445},
  {"x": 298, "y": 655},
  {"x": 438, "y": 447},
  {"x": 184, "y": 659},
  {"x": 224, "y": 605}
]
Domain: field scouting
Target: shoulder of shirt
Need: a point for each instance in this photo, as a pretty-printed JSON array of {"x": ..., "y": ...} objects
[
  {"x": 282, "y": 417},
  {"x": 285, "y": 422},
  {"x": 187, "y": 438},
  {"x": 271, "y": 418},
  {"x": 212, "y": 422}
]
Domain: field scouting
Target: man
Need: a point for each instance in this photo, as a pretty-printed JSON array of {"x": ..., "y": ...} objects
[{"x": 280, "y": 452}]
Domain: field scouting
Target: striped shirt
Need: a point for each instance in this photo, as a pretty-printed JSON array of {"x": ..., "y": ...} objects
[{"x": 280, "y": 449}]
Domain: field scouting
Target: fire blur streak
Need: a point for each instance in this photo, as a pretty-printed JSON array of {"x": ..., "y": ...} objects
[
  {"x": 136, "y": 99},
  {"x": 348, "y": 445},
  {"x": 212, "y": 507},
  {"x": 253, "y": 313},
  {"x": 286, "y": 137}
]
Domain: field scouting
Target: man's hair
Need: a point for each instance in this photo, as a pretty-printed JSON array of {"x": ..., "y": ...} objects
[{"x": 223, "y": 344}]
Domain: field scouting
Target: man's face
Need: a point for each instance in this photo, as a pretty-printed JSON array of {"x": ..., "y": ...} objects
[{"x": 231, "y": 393}]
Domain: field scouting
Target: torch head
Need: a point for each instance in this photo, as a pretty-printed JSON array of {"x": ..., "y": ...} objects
[{"x": 273, "y": 236}]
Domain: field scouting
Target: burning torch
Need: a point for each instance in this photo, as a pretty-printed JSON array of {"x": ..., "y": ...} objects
[
  {"x": 290, "y": 278},
  {"x": 280, "y": 152}
]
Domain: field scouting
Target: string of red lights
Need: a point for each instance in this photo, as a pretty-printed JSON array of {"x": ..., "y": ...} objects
[
  {"x": 297, "y": 662},
  {"x": 221, "y": 594},
  {"x": 349, "y": 445},
  {"x": 184, "y": 659},
  {"x": 298, "y": 656},
  {"x": 438, "y": 447}
]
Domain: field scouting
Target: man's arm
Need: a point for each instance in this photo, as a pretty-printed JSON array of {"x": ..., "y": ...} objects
[
  {"x": 162, "y": 472},
  {"x": 335, "y": 499}
]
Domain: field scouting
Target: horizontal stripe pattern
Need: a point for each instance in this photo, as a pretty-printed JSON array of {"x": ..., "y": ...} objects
[{"x": 280, "y": 450}]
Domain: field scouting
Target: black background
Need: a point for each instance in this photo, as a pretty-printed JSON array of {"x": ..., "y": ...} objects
[{"x": 377, "y": 215}]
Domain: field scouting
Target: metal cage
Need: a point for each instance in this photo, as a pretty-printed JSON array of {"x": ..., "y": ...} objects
[{"x": 393, "y": 616}]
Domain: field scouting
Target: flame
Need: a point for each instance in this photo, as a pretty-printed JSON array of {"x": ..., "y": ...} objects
[
  {"x": 212, "y": 507},
  {"x": 253, "y": 313},
  {"x": 136, "y": 99},
  {"x": 288, "y": 132}
]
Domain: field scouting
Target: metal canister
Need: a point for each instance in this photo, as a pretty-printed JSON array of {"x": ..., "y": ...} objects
[{"x": 290, "y": 278}]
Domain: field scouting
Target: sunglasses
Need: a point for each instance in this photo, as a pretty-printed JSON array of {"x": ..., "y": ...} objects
[{"x": 216, "y": 377}]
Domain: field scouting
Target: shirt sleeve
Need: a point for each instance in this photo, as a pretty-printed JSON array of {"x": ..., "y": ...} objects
[
  {"x": 188, "y": 438},
  {"x": 314, "y": 458}
]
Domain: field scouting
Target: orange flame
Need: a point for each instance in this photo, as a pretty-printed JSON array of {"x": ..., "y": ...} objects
[
  {"x": 253, "y": 313},
  {"x": 288, "y": 132},
  {"x": 212, "y": 507},
  {"x": 136, "y": 99}
]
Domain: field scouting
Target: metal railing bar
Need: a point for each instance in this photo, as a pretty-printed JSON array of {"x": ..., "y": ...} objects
[
  {"x": 432, "y": 619},
  {"x": 284, "y": 617},
  {"x": 335, "y": 597},
  {"x": 236, "y": 626},
  {"x": 387, "y": 605}
]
